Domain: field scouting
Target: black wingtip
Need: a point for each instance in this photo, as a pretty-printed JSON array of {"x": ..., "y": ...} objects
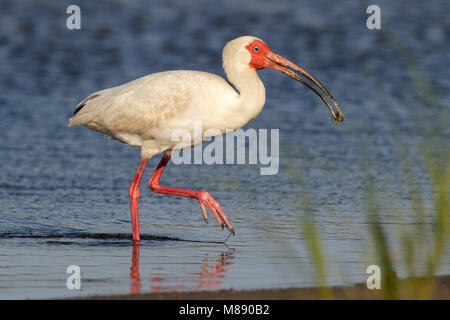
[{"x": 78, "y": 109}]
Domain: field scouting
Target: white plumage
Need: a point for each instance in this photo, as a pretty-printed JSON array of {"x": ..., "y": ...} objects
[{"x": 146, "y": 111}]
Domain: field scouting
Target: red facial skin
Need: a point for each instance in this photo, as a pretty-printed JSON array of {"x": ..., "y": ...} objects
[
  {"x": 258, "y": 60},
  {"x": 263, "y": 57}
]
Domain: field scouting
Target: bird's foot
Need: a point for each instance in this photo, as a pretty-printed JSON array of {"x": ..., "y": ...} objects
[{"x": 206, "y": 199}]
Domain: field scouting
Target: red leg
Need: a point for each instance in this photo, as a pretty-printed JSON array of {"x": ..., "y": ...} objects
[
  {"x": 134, "y": 193},
  {"x": 203, "y": 197}
]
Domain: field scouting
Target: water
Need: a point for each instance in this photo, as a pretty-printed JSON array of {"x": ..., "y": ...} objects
[{"x": 63, "y": 192}]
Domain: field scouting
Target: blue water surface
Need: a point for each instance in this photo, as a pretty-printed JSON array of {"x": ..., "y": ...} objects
[{"x": 64, "y": 191}]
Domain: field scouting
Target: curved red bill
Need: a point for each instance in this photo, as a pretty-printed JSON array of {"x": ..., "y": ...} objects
[{"x": 281, "y": 64}]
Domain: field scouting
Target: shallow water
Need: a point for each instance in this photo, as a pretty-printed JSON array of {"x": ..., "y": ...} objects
[{"x": 63, "y": 192}]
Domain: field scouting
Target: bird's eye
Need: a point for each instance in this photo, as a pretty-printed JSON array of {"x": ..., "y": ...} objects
[{"x": 256, "y": 49}]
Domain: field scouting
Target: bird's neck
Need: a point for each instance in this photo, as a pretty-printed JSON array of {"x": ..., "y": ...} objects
[{"x": 252, "y": 94}]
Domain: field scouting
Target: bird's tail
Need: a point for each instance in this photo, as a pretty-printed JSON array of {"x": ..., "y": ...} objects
[{"x": 84, "y": 111}]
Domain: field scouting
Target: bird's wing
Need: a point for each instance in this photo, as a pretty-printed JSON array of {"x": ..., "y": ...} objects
[{"x": 145, "y": 101}]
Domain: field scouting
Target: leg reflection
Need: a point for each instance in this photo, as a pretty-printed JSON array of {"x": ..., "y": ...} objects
[
  {"x": 213, "y": 271},
  {"x": 212, "y": 274},
  {"x": 135, "y": 286}
]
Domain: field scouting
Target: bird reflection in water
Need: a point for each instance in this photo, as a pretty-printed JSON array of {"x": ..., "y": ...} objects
[
  {"x": 135, "y": 286},
  {"x": 211, "y": 274}
]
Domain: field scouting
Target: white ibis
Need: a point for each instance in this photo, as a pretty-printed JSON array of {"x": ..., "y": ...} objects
[{"x": 146, "y": 111}]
